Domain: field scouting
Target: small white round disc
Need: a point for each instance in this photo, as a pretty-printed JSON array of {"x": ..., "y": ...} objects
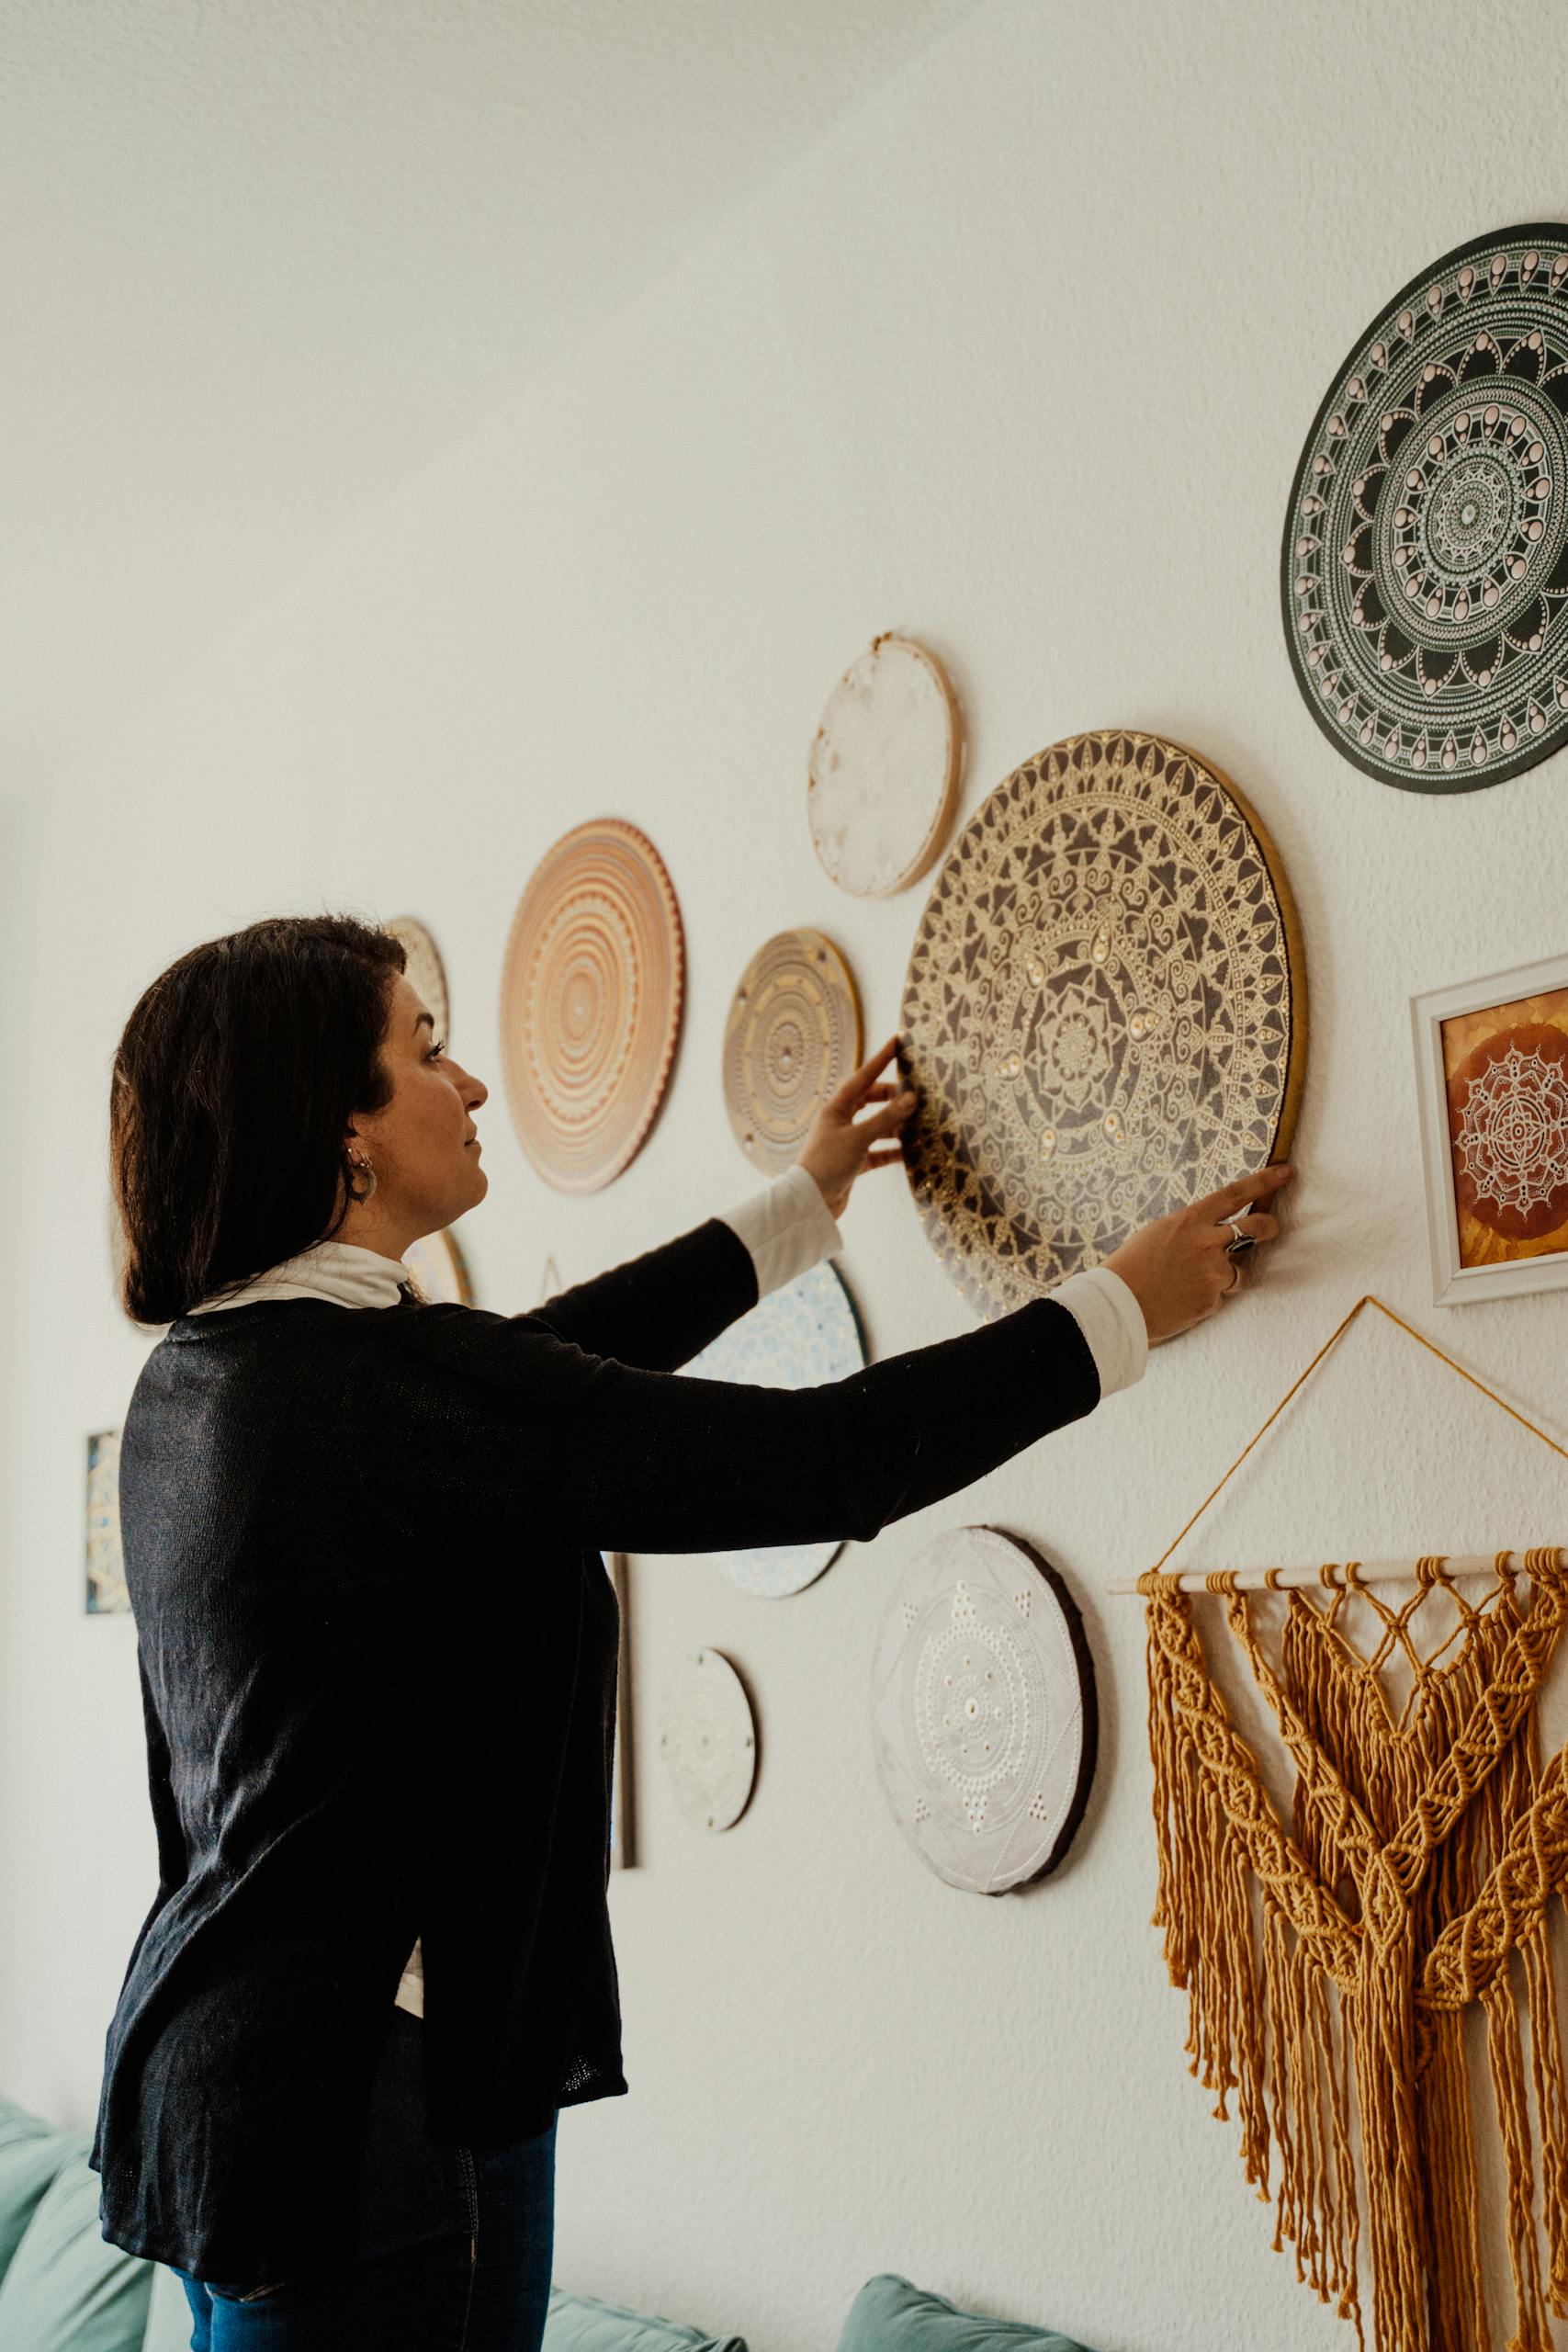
[
  {"x": 436, "y": 1265},
  {"x": 884, "y": 769},
  {"x": 983, "y": 1711},
  {"x": 424, "y": 971},
  {"x": 708, "y": 1740}
]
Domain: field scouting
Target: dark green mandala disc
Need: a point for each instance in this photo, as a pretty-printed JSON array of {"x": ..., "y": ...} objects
[{"x": 1424, "y": 575}]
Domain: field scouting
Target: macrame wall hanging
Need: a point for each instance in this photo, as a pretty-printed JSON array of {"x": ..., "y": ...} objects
[{"x": 1331, "y": 1962}]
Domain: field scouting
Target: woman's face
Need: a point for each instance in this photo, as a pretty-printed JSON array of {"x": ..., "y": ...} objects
[{"x": 423, "y": 1147}]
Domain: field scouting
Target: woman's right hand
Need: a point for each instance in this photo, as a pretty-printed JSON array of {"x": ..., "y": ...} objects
[{"x": 1177, "y": 1269}]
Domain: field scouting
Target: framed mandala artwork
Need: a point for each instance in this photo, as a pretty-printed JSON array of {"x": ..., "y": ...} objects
[
  {"x": 1492, "y": 1075},
  {"x": 1424, "y": 573}
]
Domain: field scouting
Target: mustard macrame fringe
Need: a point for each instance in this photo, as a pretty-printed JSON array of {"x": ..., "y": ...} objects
[{"x": 1329, "y": 1968}]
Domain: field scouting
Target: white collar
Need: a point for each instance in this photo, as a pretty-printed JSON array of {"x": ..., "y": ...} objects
[{"x": 340, "y": 1271}]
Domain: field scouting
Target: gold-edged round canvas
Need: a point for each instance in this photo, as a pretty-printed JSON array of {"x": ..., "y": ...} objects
[
  {"x": 591, "y": 1002},
  {"x": 424, "y": 971},
  {"x": 883, "y": 770},
  {"x": 792, "y": 1038},
  {"x": 439, "y": 1274},
  {"x": 1104, "y": 1016}
]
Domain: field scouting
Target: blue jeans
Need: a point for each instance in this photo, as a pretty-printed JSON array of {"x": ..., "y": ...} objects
[{"x": 454, "y": 2254}]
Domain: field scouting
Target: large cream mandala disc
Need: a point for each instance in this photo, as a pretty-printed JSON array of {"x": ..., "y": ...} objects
[
  {"x": 982, "y": 1712},
  {"x": 591, "y": 999},
  {"x": 1104, "y": 1016},
  {"x": 708, "y": 1740},
  {"x": 884, "y": 769},
  {"x": 792, "y": 1038}
]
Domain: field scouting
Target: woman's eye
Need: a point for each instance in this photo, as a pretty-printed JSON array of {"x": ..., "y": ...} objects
[{"x": 438, "y": 1046}]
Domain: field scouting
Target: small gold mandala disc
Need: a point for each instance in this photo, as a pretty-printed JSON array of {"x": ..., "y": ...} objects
[
  {"x": 792, "y": 1037},
  {"x": 1104, "y": 1016}
]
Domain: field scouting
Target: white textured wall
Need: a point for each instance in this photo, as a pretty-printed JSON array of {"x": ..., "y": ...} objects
[{"x": 1019, "y": 360}]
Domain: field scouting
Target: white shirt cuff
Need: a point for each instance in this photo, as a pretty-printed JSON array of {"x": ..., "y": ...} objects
[
  {"x": 788, "y": 1229},
  {"x": 1111, "y": 1322}
]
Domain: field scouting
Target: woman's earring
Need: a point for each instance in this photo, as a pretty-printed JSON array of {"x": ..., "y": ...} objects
[{"x": 360, "y": 1162}]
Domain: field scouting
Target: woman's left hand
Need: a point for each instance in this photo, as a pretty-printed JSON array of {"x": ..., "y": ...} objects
[{"x": 840, "y": 1144}]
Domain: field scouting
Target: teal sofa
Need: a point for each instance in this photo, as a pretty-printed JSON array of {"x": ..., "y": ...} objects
[{"x": 63, "y": 2290}]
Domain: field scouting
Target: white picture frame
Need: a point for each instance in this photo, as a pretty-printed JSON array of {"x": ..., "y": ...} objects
[{"x": 1453, "y": 1282}]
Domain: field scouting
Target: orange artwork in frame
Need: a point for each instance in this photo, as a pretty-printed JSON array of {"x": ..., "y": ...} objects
[
  {"x": 1492, "y": 1068},
  {"x": 1506, "y": 1069}
]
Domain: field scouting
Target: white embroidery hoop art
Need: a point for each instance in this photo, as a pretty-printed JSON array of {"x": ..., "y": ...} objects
[
  {"x": 983, "y": 1711},
  {"x": 884, "y": 771}
]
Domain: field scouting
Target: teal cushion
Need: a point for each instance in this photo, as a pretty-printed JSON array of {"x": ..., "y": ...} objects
[
  {"x": 889, "y": 2315},
  {"x": 66, "y": 2290},
  {"x": 578, "y": 2324},
  {"x": 169, "y": 2324},
  {"x": 31, "y": 2156}
]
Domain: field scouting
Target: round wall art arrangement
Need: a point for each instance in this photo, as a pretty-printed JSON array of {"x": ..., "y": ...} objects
[
  {"x": 983, "y": 1711},
  {"x": 885, "y": 769},
  {"x": 1104, "y": 1014},
  {"x": 424, "y": 971},
  {"x": 708, "y": 1740},
  {"x": 792, "y": 1038},
  {"x": 438, "y": 1272},
  {"x": 795, "y": 1338},
  {"x": 590, "y": 1001},
  {"x": 1425, "y": 567}
]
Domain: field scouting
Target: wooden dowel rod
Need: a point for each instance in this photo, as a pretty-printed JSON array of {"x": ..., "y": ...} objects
[{"x": 1465, "y": 1564}]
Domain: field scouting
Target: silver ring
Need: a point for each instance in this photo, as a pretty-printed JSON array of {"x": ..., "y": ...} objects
[
  {"x": 1241, "y": 1242},
  {"x": 1235, "y": 1282}
]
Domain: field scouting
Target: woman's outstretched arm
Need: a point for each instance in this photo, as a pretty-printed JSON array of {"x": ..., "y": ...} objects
[{"x": 659, "y": 1310}]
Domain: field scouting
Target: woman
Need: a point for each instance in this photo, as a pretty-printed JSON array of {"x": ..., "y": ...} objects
[{"x": 378, "y": 1645}]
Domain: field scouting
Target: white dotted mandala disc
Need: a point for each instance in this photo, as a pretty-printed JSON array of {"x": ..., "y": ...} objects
[
  {"x": 708, "y": 1740},
  {"x": 1424, "y": 573},
  {"x": 982, "y": 1712},
  {"x": 1104, "y": 1013},
  {"x": 795, "y": 1338},
  {"x": 884, "y": 769}
]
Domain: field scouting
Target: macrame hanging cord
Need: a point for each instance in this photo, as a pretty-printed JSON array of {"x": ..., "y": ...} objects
[{"x": 1329, "y": 1964}]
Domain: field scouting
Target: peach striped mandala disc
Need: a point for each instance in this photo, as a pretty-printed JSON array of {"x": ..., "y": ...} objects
[{"x": 590, "y": 1000}]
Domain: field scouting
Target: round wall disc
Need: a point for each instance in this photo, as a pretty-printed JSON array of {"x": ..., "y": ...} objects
[
  {"x": 436, "y": 1265},
  {"x": 884, "y": 769},
  {"x": 591, "y": 999},
  {"x": 792, "y": 1038},
  {"x": 424, "y": 971},
  {"x": 795, "y": 1338},
  {"x": 982, "y": 1712},
  {"x": 1104, "y": 1016},
  {"x": 708, "y": 1740},
  {"x": 1424, "y": 573}
]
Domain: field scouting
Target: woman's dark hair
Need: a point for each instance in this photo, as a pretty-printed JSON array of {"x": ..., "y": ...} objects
[{"x": 236, "y": 1076}]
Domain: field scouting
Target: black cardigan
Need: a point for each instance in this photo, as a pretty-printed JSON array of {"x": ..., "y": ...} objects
[{"x": 377, "y": 1651}]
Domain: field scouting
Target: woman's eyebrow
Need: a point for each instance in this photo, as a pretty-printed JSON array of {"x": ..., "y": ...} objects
[{"x": 424, "y": 1021}]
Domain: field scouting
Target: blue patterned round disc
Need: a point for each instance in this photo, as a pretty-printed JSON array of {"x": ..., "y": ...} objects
[{"x": 797, "y": 1338}]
